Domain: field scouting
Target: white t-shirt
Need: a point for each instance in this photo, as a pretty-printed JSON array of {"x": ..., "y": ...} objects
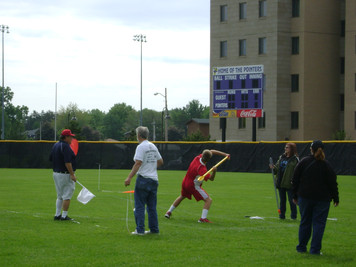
[{"x": 149, "y": 155}]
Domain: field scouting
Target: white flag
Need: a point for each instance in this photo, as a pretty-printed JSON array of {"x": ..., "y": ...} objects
[{"x": 84, "y": 195}]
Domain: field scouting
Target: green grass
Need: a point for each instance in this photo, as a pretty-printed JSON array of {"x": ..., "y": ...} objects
[{"x": 30, "y": 237}]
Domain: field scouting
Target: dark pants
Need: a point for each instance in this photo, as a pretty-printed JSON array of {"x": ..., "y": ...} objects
[
  {"x": 314, "y": 214},
  {"x": 283, "y": 193},
  {"x": 146, "y": 195}
]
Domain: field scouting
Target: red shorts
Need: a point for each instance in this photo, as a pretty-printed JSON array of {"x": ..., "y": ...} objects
[{"x": 195, "y": 190}]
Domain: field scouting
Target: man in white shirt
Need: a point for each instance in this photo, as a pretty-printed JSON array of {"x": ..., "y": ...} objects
[{"x": 147, "y": 158}]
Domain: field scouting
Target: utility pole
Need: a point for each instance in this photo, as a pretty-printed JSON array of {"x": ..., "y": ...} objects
[
  {"x": 140, "y": 38},
  {"x": 3, "y": 29},
  {"x": 166, "y": 115}
]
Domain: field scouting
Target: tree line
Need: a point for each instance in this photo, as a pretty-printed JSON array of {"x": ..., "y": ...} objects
[{"x": 119, "y": 123}]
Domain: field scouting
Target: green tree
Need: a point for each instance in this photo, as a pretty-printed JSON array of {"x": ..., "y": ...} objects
[
  {"x": 196, "y": 136},
  {"x": 116, "y": 120},
  {"x": 33, "y": 121},
  {"x": 194, "y": 109},
  {"x": 15, "y": 117},
  {"x": 75, "y": 129},
  {"x": 43, "y": 121},
  {"x": 152, "y": 118},
  {"x": 131, "y": 136},
  {"x": 90, "y": 134},
  {"x": 339, "y": 135},
  {"x": 179, "y": 117},
  {"x": 47, "y": 132},
  {"x": 175, "y": 134},
  {"x": 72, "y": 118},
  {"x": 96, "y": 119}
]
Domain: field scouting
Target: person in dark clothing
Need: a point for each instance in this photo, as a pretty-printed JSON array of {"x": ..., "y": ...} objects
[
  {"x": 64, "y": 166},
  {"x": 314, "y": 186},
  {"x": 284, "y": 170}
]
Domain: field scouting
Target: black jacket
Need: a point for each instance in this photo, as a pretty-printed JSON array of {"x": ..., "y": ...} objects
[{"x": 315, "y": 179}]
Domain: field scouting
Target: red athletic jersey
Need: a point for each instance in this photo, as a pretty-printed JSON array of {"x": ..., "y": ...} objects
[{"x": 195, "y": 170}]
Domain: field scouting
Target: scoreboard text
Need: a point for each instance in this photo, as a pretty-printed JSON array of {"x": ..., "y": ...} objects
[{"x": 238, "y": 91}]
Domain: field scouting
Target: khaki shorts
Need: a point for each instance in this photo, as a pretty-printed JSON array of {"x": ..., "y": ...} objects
[{"x": 64, "y": 185}]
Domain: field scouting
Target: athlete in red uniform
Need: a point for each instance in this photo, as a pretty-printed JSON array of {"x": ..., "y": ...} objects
[{"x": 191, "y": 185}]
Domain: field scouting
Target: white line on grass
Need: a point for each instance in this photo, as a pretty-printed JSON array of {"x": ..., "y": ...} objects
[{"x": 36, "y": 215}]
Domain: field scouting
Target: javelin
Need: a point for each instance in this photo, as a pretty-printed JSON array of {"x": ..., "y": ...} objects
[{"x": 201, "y": 178}]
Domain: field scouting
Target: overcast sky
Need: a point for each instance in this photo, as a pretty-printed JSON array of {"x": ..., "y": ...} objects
[{"x": 87, "y": 47}]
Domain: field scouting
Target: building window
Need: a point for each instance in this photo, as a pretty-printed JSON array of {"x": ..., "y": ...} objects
[
  {"x": 342, "y": 30},
  {"x": 223, "y": 49},
  {"x": 223, "y": 13},
  {"x": 294, "y": 120},
  {"x": 242, "y": 11},
  {"x": 342, "y": 65},
  {"x": 295, "y": 45},
  {"x": 295, "y": 8},
  {"x": 242, "y": 123},
  {"x": 262, "y": 46},
  {"x": 262, "y": 8},
  {"x": 262, "y": 121},
  {"x": 295, "y": 83},
  {"x": 342, "y": 102},
  {"x": 242, "y": 47}
]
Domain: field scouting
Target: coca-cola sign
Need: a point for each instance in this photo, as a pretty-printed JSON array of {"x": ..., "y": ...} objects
[{"x": 249, "y": 113}]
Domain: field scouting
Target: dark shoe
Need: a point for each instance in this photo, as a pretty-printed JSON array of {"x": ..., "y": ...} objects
[
  {"x": 57, "y": 218},
  {"x": 301, "y": 249},
  {"x": 66, "y": 218},
  {"x": 152, "y": 233},
  {"x": 201, "y": 220}
]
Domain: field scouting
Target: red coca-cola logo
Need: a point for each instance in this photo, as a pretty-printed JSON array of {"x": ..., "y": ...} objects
[{"x": 249, "y": 113}]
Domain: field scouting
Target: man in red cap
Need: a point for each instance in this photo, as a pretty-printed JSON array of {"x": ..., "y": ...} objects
[{"x": 64, "y": 166}]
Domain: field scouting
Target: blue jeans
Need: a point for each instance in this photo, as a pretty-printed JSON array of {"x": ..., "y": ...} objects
[
  {"x": 283, "y": 201},
  {"x": 146, "y": 195},
  {"x": 314, "y": 215}
]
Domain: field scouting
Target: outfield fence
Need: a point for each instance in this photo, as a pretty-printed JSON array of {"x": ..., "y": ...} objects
[{"x": 245, "y": 156}]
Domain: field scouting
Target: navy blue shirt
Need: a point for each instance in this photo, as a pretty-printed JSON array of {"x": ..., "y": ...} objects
[{"x": 61, "y": 154}]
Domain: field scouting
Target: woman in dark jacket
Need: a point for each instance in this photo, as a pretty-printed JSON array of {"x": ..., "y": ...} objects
[
  {"x": 284, "y": 170},
  {"x": 314, "y": 186}
]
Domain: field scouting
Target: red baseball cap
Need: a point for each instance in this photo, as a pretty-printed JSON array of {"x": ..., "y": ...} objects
[{"x": 67, "y": 132}]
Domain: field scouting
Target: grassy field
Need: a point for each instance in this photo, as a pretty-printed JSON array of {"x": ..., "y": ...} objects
[{"x": 30, "y": 237}]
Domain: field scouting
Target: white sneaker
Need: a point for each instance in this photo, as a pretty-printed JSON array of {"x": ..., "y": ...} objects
[
  {"x": 136, "y": 233},
  {"x": 168, "y": 214}
]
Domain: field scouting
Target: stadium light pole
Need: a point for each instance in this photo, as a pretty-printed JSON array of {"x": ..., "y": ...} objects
[
  {"x": 140, "y": 38},
  {"x": 166, "y": 115},
  {"x": 3, "y": 29},
  {"x": 55, "y": 114}
]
